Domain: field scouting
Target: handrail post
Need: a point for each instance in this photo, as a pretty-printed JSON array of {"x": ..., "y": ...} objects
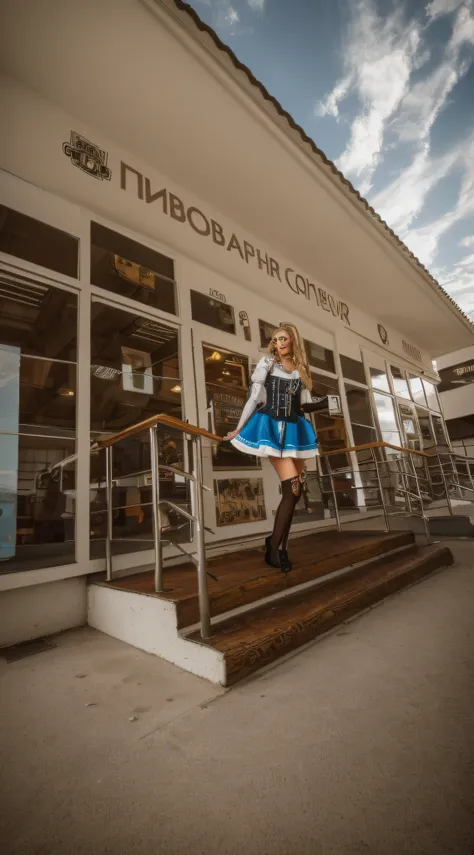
[
  {"x": 334, "y": 498},
  {"x": 446, "y": 489},
  {"x": 156, "y": 516},
  {"x": 204, "y": 608},
  {"x": 420, "y": 497},
  {"x": 110, "y": 511},
  {"x": 382, "y": 497}
]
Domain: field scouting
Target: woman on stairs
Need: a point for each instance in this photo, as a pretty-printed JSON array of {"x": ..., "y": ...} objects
[{"x": 273, "y": 425}]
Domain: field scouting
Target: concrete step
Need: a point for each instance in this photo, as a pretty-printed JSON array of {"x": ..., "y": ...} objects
[{"x": 262, "y": 635}]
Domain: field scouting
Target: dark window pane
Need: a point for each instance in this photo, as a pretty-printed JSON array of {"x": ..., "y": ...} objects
[
  {"x": 47, "y": 393},
  {"x": 266, "y": 331},
  {"x": 39, "y": 319},
  {"x": 352, "y": 369},
  {"x": 128, "y": 268},
  {"x": 37, "y": 525},
  {"x": 38, "y": 243},
  {"x": 359, "y": 406},
  {"x": 214, "y": 313},
  {"x": 320, "y": 357}
]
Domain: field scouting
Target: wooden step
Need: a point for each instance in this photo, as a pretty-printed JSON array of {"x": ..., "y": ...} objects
[
  {"x": 259, "y": 637},
  {"x": 242, "y": 578}
]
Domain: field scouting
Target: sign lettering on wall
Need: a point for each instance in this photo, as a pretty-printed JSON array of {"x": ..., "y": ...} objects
[
  {"x": 172, "y": 206},
  {"x": 456, "y": 376}
]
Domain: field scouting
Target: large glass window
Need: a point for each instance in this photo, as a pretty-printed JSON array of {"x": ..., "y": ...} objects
[
  {"x": 38, "y": 243},
  {"x": 135, "y": 374},
  {"x": 38, "y": 344},
  {"x": 128, "y": 268}
]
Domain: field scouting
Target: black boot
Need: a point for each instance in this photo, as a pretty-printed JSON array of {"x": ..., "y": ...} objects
[
  {"x": 277, "y": 557},
  {"x": 272, "y": 556}
]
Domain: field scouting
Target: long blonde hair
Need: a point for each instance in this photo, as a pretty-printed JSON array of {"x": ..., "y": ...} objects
[{"x": 299, "y": 352}]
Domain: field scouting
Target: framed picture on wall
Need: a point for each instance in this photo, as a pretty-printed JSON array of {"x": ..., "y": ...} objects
[{"x": 239, "y": 500}]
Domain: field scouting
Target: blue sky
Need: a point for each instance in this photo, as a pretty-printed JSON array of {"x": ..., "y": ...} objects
[{"x": 386, "y": 89}]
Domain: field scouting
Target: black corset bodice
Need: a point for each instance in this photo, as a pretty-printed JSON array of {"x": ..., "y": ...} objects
[{"x": 283, "y": 398}]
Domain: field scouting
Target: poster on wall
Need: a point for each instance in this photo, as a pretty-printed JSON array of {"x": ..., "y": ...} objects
[{"x": 239, "y": 500}]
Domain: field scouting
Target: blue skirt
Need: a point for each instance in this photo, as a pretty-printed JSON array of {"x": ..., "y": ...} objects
[{"x": 266, "y": 437}]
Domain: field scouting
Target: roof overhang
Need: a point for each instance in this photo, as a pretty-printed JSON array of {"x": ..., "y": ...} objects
[{"x": 149, "y": 76}]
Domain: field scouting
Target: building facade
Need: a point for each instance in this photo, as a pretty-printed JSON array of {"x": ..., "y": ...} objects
[
  {"x": 158, "y": 219},
  {"x": 456, "y": 388}
]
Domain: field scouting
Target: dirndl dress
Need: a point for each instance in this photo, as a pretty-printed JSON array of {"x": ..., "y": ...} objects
[{"x": 271, "y": 424}]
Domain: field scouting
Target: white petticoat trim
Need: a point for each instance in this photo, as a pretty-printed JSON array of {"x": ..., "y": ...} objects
[{"x": 269, "y": 451}]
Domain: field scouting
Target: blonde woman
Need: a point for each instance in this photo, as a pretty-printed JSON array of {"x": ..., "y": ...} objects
[{"x": 273, "y": 425}]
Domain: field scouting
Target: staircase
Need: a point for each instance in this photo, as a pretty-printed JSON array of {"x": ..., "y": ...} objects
[{"x": 259, "y": 615}]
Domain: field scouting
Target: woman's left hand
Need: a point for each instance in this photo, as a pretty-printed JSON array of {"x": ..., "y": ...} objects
[{"x": 231, "y": 435}]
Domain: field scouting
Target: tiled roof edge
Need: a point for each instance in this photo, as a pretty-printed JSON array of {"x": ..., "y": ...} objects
[{"x": 205, "y": 28}]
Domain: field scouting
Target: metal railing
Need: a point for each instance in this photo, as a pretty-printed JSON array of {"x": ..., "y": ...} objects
[
  {"x": 191, "y": 434},
  {"x": 407, "y": 481}
]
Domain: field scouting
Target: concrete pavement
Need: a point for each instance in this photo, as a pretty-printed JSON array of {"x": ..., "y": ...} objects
[{"x": 363, "y": 744}]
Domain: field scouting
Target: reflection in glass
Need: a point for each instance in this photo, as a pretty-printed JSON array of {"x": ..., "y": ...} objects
[
  {"x": 431, "y": 396},
  {"x": 214, "y": 313},
  {"x": 416, "y": 389},
  {"x": 123, "y": 266},
  {"x": 135, "y": 374},
  {"x": 379, "y": 379},
  {"x": 387, "y": 420},
  {"x": 400, "y": 384},
  {"x": 359, "y": 406},
  {"x": 266, "y": 331},
  {"x": 227, "y": 378},
  {"x": 330, "y": 430},
  {"x": 440, "y": 435},
  {"x": 38, "y": 326}
]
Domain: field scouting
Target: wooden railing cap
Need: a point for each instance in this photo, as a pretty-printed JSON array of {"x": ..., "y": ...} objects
[{"x": 160, "y": 419}]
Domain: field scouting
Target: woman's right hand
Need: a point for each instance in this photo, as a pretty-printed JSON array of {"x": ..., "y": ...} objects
[{"x": 231, "y": 435}]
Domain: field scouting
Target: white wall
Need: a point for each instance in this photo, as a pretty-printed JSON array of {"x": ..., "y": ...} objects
[{"x": 27, "y": 613}]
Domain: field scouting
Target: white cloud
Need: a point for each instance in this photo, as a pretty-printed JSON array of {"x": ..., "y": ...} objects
[
  {"x": 330, "y": 105},
  {"x": 467, "y": 241},
  {"x": 458, "y": 281},
  {"x": 256, "y": 5},
  {"x": 441, "y": 7},
  {"x": 380, "y": 56}
]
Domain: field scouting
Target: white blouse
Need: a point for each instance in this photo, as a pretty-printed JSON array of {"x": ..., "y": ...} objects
[{"x": 257, "y": 389}]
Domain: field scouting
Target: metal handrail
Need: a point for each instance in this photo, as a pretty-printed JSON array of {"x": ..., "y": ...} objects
[
  {"x": 411, "y": 494},
  {"x": 193, "y": 434}
]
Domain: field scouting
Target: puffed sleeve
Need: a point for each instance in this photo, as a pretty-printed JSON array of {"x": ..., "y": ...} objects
[
  {"x": 306, "y": 396},
  {"x": 256, "y": 390}
]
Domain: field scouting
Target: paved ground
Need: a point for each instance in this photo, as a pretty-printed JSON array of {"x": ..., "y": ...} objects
[{"x": 361, "y": 745}]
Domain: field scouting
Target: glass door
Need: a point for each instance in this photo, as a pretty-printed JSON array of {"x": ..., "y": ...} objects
[{"x": 244, "y": 491}]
